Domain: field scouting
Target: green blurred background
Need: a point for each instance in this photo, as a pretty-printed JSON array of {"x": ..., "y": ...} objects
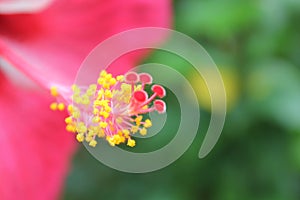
[{"x": 256, "y": 45}]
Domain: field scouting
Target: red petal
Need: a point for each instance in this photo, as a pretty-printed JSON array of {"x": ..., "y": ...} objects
[
  {"x": 50, "y": 46},
  {"x": 35, "y": 150}
]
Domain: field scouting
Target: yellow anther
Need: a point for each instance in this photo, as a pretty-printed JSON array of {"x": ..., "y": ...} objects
[
  {"x": 85, "y": 100},
  {"x": 91, "y": 133},
  {"x": 110, "y": 140},
  {"x": 122, "y": 139},
  {"x": 93, "y": 87},
  {"x": 103, "y": 73},
  {"x": 96, "y": 103},
  {"x": 103, "y": 124},
  {"x": 68, "y": 120},
  {"x": 147, "y": 123},
  {"x": 138, "y": 120},
  {"x": 126, "y": 132},
  {"x": 95, "y": 111},
  {"x": 94, "y": 129},
  {"x": 131, "y": 142},
  {"x": 77, "y": 99},
  {"x": 100, "y": 93},
  {"x": 96, "y": 119},
  {"x": 101, "y": 133},
  {"x": 93, "y": 143},
  {"x": 76, "y": 114},
  {"x": 120, "y": 78},
  {"x": 80, "y": 137},
  {"x": 70, "y": 108},
  {"x": 53, "y": 91},
  {"x": 108, "y": 77},
  {"x": 90, "y": 92},
  {"x": 105, "y": 115},
  {"x": 108, "y": 94},
  {"x": 126, "y": 87},
  {"x": 106, "y": 85},
  {"x": 145, "y": 107},
  {"x": 137, "y": 87},
  {"x": 75, "y": 89},
  {"x": 134, "y": 129},
  {"x": 107, "y": 109},
  {"x": 71, "y": 128},
  {"x": 143, "y": 131},
  {"x": 81, "y": 128},
  {"x": 101, "y": 102},
  {"x": 117, "y": 139},
  {"x": 88, "y": 138},
  {"x": 53, "y": 106},
  {"x": 61, "y": 106},
  {"x": 112, "y": 81},
  {"x": 100, "y": 81}
]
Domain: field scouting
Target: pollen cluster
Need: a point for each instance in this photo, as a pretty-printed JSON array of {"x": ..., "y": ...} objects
[{"x": 113, "y": 108}]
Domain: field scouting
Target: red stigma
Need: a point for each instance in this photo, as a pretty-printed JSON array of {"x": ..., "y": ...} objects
[
  {"x": 159, "y": 90},
  {"x": 160, "y": 106}
]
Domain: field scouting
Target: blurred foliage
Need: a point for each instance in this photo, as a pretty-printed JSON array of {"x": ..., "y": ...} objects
[{"x": 256, "y": 46}]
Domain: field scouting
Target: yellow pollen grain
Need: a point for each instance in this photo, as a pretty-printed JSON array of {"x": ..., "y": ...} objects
[
  {"x": 85, "y": 100},
  {"x": 71, "y": 128},
  {"x": 108, "y": 94},
  {"x": 100, "y": 93},
  {"x": 53, "y": 91},
  {"x": 110, "y": 140},
  {"x": 53, "y": 106},
  {"x": 61, "y": 106},
  {"x": 145, "y": 107},
  {"x": 105, "y": 115},
  {"x": 107, "y": 108},
  {"x": 76, "y": 114},
  {"x": 131, "y": 142},
  {"x": 134, "y": 129},
  {"x": 120, "y": 78},
  {"x": 143, "y": 131},
  {"x": 138, "y": 120},
  {"x": 81, "y": 128},
  {"x": 147, "y": 123},
  {"x": 101, "y": 133},
  {"x": 70, "y": 108},
  {"x": 103, "y": 124},
  {"x": 125, "y": 132},
  {"x": 88, "y": 138},
  {"x": 95, "y": 111},
  {"x": 68, "y": 120},
  {"x": 112, "y": 81},
  {"x": 91, "y": 133},
  {"x": 103, "y": 73},
  {"x": 80, "y": 137},
  {"x": 96, "y": 119},
  {"x": 93, "y": 143},
  {"x": 117, "y": 139}
]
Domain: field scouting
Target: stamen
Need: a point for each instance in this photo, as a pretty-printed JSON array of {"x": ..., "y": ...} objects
[{"x": 111, "y": 109}]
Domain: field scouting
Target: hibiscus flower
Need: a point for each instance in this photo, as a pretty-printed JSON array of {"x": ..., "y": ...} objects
[{"x": 47, "y": 41}]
